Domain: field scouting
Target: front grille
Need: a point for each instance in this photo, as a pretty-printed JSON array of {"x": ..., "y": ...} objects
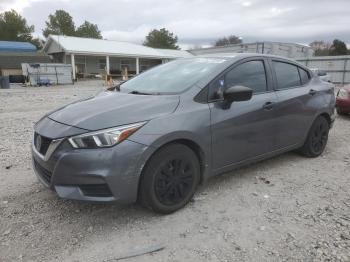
[
  {"x": 96, "y": 190},
  {"x": 43, "y": 172},
  {"x": 41, "y": 143}
]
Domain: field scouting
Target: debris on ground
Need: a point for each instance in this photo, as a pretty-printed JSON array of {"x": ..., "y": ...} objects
[{"x": 144, "y": 251}]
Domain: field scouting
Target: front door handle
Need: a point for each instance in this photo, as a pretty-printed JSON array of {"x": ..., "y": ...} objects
[
  {"x": 312, "y": 92},
  {"x": 268, "y": 105}
]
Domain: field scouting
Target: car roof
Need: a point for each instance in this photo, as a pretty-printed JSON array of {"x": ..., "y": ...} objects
[{"x": 233, "y": 57}]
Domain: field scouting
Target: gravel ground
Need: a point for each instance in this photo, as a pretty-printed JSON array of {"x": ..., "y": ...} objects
[{"x": 288, "y": 208}]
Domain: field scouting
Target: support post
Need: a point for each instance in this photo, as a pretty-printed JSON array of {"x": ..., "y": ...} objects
[
  {"x": 72, "y": 61},
  {"x": 107, "y": 65},
  {"x": 344, "y": 69},
  {"x": 137, "y": 65}
]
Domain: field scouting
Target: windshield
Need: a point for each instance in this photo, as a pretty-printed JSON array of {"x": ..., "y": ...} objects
[{"x": 171, "y": 78}]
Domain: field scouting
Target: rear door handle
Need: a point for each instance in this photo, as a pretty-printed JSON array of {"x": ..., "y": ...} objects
[
  {"x": 312, "y": 92},
  {"x": 268, "y": 105}
]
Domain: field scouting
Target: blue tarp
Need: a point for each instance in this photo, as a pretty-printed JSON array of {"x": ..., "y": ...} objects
[{"x": 9, "y": 46}]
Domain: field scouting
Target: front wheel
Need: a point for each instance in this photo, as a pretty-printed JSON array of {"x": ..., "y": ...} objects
[
  {"x": 317, "y": 138},
  {"x": 169, "y": 179}
]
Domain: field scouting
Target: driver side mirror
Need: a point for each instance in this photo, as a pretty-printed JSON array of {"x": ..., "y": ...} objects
[{"x": 237, "y": 93}]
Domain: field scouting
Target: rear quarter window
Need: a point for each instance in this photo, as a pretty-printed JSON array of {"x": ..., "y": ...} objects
[{"x": 304, "y": 76}]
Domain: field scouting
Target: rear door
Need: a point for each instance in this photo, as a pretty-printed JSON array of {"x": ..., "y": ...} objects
[
  {"x": 296, "y": 105},
  {"x": 246, "y": 129}
]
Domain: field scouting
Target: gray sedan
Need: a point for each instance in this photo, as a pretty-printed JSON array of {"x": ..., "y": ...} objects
[{"x": 174, "y": 126}]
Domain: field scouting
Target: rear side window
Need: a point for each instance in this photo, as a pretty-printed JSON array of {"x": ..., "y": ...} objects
[
  {"x": 304, "y": 76},
  {"x": 287, "y": 75},
  {"x": 249, "y": 74}
]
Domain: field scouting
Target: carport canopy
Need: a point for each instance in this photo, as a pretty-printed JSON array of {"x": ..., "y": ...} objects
[{"x": 68, "y": 45}]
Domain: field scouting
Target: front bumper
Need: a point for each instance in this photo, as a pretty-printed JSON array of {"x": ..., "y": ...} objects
[{"x": 107, "y": 174}]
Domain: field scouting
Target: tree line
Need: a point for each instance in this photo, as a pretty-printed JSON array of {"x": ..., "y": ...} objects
[
  {"x": 322, "y": 48},
  {"x": 14, "y": 27}
]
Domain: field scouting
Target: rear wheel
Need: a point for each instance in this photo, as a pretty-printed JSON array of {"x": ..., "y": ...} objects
[
  {"x": 169, "y": 179},
  {"x": 317, "y": 138}
]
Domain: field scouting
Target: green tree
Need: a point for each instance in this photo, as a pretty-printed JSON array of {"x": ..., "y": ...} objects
[
  {"x": 338, "y": 48},
  {"x": 13, "y": 27},
  {"x": 60, "y": 23},
  {"x": 320, "y": 47},
  {"x": 161, "y": 39},
  {"x": 88, "y": 30},
  {"x": 229, "y": 40},
  {"x": 38, "y": 42}
]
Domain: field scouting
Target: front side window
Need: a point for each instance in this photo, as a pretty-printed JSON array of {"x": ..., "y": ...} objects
[
  {"x": 249, "y": 74},
  {"x": 287, "y": 75}
]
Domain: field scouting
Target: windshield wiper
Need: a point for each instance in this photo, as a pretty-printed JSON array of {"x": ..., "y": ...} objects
[{"x": 142, "y": 93}]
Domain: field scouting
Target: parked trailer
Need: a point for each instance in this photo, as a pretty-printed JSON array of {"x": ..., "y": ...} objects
[
  {"x": 290, "y": 50},
  {"x": 47, "y": 74},
  {"x": 338, "y": 67}
]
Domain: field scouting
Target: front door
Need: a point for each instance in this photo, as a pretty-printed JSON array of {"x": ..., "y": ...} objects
[{"x": 246, "y": 129}]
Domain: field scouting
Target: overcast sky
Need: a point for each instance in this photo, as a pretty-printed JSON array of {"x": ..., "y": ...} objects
[{"x": 200, "y": 22}]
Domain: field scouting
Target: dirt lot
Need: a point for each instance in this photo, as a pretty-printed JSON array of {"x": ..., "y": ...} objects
[{"x": 288, "y": 208}]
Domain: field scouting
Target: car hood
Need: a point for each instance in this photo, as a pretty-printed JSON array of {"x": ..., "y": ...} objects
[{"x": 110, "y": 109}]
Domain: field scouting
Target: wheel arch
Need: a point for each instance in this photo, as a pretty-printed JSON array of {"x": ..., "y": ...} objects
[
  {"x": 327, "y": 117},
  {"x": 191, "y": 144},
  {"x": 324, "y": 114}
]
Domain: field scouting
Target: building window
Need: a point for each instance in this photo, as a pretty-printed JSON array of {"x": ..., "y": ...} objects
[
  {"x": 102, "y": 64},
  {"x": 124, "y": 63}
]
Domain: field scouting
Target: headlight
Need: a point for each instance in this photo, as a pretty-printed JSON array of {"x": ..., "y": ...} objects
[
  {"x": 343, "y": 94},
  {"x": 104, "y": 138}
]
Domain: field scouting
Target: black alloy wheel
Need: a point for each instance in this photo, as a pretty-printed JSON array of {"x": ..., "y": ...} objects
[
  {"x": 317, "y": 138},
  {"x": 169, "y": 179},
  {"x": 174, "y": 181}
]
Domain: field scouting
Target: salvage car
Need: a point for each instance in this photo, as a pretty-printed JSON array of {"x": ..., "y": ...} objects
[
  {"x": 343, "y": 100},
  {"x": 172, "y": 127}
]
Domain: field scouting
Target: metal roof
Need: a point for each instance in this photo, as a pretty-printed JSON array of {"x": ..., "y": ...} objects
[
  {"x": 12, "y": 46},
  {"x": 13, "y": 60},
  {"x": 248, "y": 44},
  {"x": 88, "y": 46}
]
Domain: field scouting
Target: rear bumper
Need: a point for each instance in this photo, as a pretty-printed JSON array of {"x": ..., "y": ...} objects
[{"x": 108, "y": 174}]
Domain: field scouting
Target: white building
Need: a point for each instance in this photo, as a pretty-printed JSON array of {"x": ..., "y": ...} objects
[
  {"x": 290, "y": 50},
  {"x": 99, "y": 57}
]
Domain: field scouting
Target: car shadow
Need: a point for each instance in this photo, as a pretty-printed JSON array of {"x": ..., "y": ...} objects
[
  {"x": 41, "y": 210},
  {"x": 110, "y": 213}
]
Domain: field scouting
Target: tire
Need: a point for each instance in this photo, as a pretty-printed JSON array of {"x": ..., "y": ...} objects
[
  {"x": 317, "y": 138},
  {"x": 170, "y": 178}
]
